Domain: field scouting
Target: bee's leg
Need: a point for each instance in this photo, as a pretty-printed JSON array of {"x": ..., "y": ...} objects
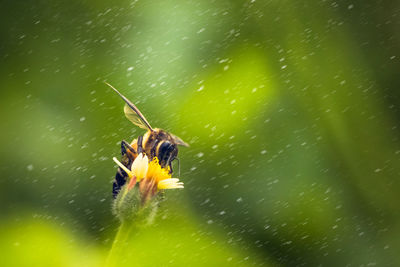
[
  {"x": 140, "y": 144},
  {"x": 126, "y": 146},
  {"x": 172, "y": 157},
  {"x": 170, "y": 167},
  {"x": 121, "y": 176},
  {"x": 153, "y": 149},
  {"x": 123, "y": 149}
]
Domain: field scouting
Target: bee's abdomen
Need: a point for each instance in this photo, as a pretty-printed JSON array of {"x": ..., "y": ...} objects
[{"x": 120, "y": 180}]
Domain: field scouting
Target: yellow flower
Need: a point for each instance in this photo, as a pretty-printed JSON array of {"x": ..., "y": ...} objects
[
  {"x": 146, "y": 179},
  {"x": 151, "y": 176}
]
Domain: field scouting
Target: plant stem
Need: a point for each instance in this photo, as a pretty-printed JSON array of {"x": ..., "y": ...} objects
[{"x": 119, "y": 244}]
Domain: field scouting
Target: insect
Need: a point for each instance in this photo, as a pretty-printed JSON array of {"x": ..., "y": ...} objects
[{"x": 154, "y": 143}]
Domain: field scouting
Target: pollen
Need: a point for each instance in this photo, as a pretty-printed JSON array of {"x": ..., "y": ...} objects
[{"x": 156, "y": 172}]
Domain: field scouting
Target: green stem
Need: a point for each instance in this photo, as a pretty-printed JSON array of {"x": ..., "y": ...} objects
[{"x": 120, "y": 242}]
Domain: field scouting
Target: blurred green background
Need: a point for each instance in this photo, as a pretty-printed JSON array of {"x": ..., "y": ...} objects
[{"x": 291, "y": 109}]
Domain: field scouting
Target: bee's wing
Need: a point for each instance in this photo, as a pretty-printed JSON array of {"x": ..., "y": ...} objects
[
  {"x": 179, "y": 141},
  {"x": 135, "y": 118},
  {"x": 132, "y": 112}
]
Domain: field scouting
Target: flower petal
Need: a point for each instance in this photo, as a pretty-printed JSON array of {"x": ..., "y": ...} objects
[
  {"x": 122, "y": 166},
  {"x": 140, "y": 166},
  {"x": 171, "y": 183}
]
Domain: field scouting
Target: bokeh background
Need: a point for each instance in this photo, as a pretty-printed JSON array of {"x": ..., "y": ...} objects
[{"x": 291, "y": 109}]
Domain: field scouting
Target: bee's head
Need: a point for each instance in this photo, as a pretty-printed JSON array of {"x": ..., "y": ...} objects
[{"x": 166, "y": 152}]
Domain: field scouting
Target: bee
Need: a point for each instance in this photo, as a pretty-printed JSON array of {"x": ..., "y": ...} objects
[{"x": 154, "y": 143}]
